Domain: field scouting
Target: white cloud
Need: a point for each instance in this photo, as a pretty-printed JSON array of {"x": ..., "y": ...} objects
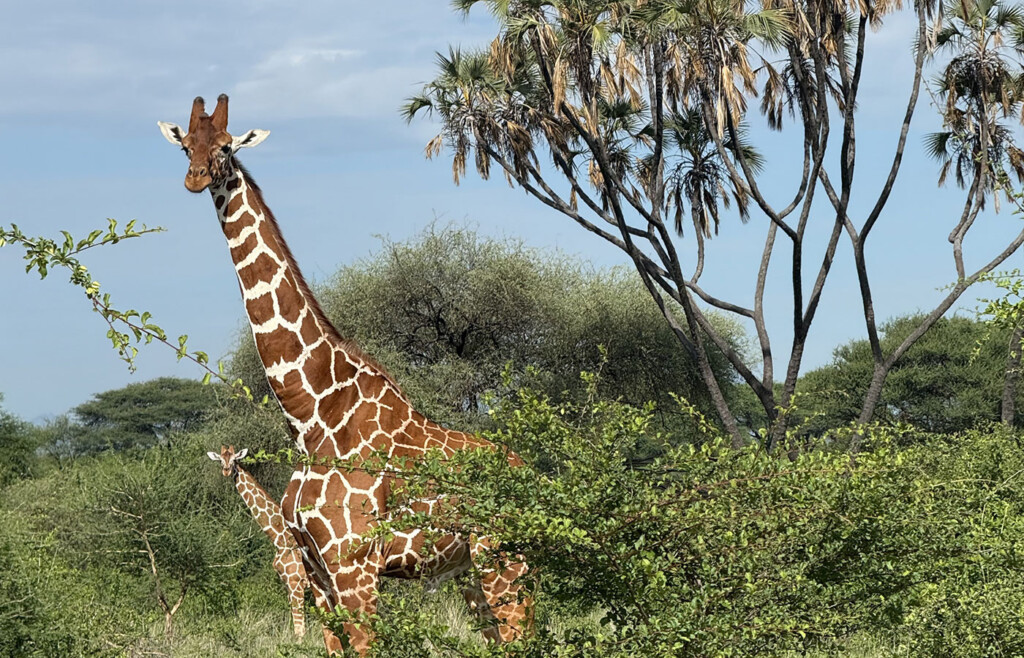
[
  {"x": 322, "y": 88},
  {"x": 126, "y": 59},
  {"x": 289, "y": 58}
]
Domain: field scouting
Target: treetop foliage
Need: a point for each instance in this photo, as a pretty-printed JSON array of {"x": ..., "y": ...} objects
[
  {"x": 138, "y": 415},
  {"x": 950, "y": 381}
]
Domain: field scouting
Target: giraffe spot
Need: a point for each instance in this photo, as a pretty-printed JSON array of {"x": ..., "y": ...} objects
[
  {"x": 361, "y": 520},
  {"x": 391, "y": 399},
  {"x": 239, "y": 253},
  {"x": 314, "y": 436},
  {"x": 310, "y": 330},
  {"x": 218, "y": 201},
  {"x": 289, "y": 300},
  {"x": 412, "y": 435},
  {"x": 296, "y": 400},
  {"x": 310, "y": 492},
  {"x": 234, "y": 204},
  {"x": 234, "y": 229},
  {"x": 261, "y": 309},
  {"x": 361, "y": 481},
  {"x": 269, "y": 233},
  {"x": 233, "y": 183},
  {"x": 371, "y": 384},
  {"x": 318, "y": 531},
  {"x": 445, "y": 544},
  {"x": 262, "y": 269},
  {"x": 333, "y": 406},
  {"x": 279, "y": 345},
  {"x": 343, "y": 369},
  {"x": 363, "y": 412},
  {"x": 318, "y": 368}
]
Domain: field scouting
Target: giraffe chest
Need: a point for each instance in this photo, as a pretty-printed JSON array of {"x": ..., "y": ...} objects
[{"x": 331, "y": 507}]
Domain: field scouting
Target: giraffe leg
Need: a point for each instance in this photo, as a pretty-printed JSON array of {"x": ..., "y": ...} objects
[
  {"x": 495, "y": 596},
  {"x": 355, "y": 589},
  {"x": 481, "y": 609},
  {"x": 323, "y": 602},
  {"x": 296, "y": 595},
  {"x": 289, "y": 567},
  {"x": 494, "y": 599}
]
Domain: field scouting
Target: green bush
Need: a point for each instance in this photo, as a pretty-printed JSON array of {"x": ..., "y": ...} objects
[
  {"x": 18, "y": 444},
  {"x": 911, "y": 548},
  {"x": 707, "y": 551}
]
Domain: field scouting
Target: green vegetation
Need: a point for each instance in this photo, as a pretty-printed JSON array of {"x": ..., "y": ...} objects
[
  {"x": 950, "y": 381},
  {"x": 649, "y": 535},
  {"x": 914, "y": 546},
  {"x": 17, "y": 448},
  {"x": 709, "y": 551},
  {"x": 136, "y": 416}
]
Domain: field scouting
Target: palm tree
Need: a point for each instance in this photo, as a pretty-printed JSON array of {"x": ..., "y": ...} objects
[
  {"x": 606, "y": 87},
  {"x": 981, "y": 84},
  {"x": 696, "y": 172}
]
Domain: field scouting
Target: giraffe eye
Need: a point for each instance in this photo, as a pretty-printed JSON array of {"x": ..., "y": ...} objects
[{"x": 225, "y": 149}]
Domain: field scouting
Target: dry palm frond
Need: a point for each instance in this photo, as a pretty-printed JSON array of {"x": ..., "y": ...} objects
[{"x": 434, "y": 146}]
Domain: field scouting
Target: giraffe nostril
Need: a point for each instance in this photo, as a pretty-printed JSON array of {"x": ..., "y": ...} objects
[{"x": 202, "y": 171}]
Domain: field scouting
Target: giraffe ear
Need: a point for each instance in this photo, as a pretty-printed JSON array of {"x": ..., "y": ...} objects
[
  {"x": 241, "y": 454},
  {"x": 249, "y": 139},
  {"x": 172, "y": 132},
  {"x": 214, "y": 456}
]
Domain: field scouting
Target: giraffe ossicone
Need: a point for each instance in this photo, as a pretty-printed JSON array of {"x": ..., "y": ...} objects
[
  {"x": 266, "y": 511},
  {"x": 340, "y": 405}
]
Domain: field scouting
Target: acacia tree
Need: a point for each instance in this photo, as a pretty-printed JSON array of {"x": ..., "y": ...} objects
[{"x": 600, "y": 85}]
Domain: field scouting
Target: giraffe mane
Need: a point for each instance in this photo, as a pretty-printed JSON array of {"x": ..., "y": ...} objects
[{"x": 333, "y": 334}]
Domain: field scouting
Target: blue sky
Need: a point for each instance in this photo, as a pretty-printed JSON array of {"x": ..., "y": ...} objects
[{"x": 85, "y": 83}]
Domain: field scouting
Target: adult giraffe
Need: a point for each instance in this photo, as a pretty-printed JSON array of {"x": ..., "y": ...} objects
[
  {"x": 266, "y": 511},
  {"x": 339, "y": 404}
]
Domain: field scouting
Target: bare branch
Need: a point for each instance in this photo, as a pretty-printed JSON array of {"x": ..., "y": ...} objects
[
  {"x": 747, "y": 182},
  {"x": 897, "y": 160},
  {"x": 954, "y": 294}
]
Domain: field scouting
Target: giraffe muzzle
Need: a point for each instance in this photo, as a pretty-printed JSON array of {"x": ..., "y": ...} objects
[{"x": 198, "y": 182}]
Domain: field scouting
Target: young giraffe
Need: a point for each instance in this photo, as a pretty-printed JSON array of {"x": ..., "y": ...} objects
[
  {"x": 266, "y": 511},
  {"x": 340, "y": 404}
]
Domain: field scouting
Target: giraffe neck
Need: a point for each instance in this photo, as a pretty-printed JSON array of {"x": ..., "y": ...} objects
[
  {"x": 309, "y": 366},
  {"x": 264, "y": 509}
]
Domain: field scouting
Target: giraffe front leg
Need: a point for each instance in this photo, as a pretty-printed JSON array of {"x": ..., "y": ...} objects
[
  {"x": 355, "y": 590},
  {"x": 323, "y": 603},
  {"x": 494, "y": 598},
  {"x": 297, "y": 598},
  {"x": 289, "y": 567},
  {"x": 501, "y": 591}
]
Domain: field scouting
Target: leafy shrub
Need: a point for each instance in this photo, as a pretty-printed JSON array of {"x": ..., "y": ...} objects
[{"x": 708, "y": 551}]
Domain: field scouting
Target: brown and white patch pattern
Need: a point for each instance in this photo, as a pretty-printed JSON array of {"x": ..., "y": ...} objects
[
  {"x": 266, "y": 511},
  {"x": 342, "y": 405}
]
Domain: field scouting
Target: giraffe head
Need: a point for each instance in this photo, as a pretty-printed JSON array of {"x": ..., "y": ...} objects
[
  {"x": 228, "y": 459},
  {"x": 208, "y": 145}
]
